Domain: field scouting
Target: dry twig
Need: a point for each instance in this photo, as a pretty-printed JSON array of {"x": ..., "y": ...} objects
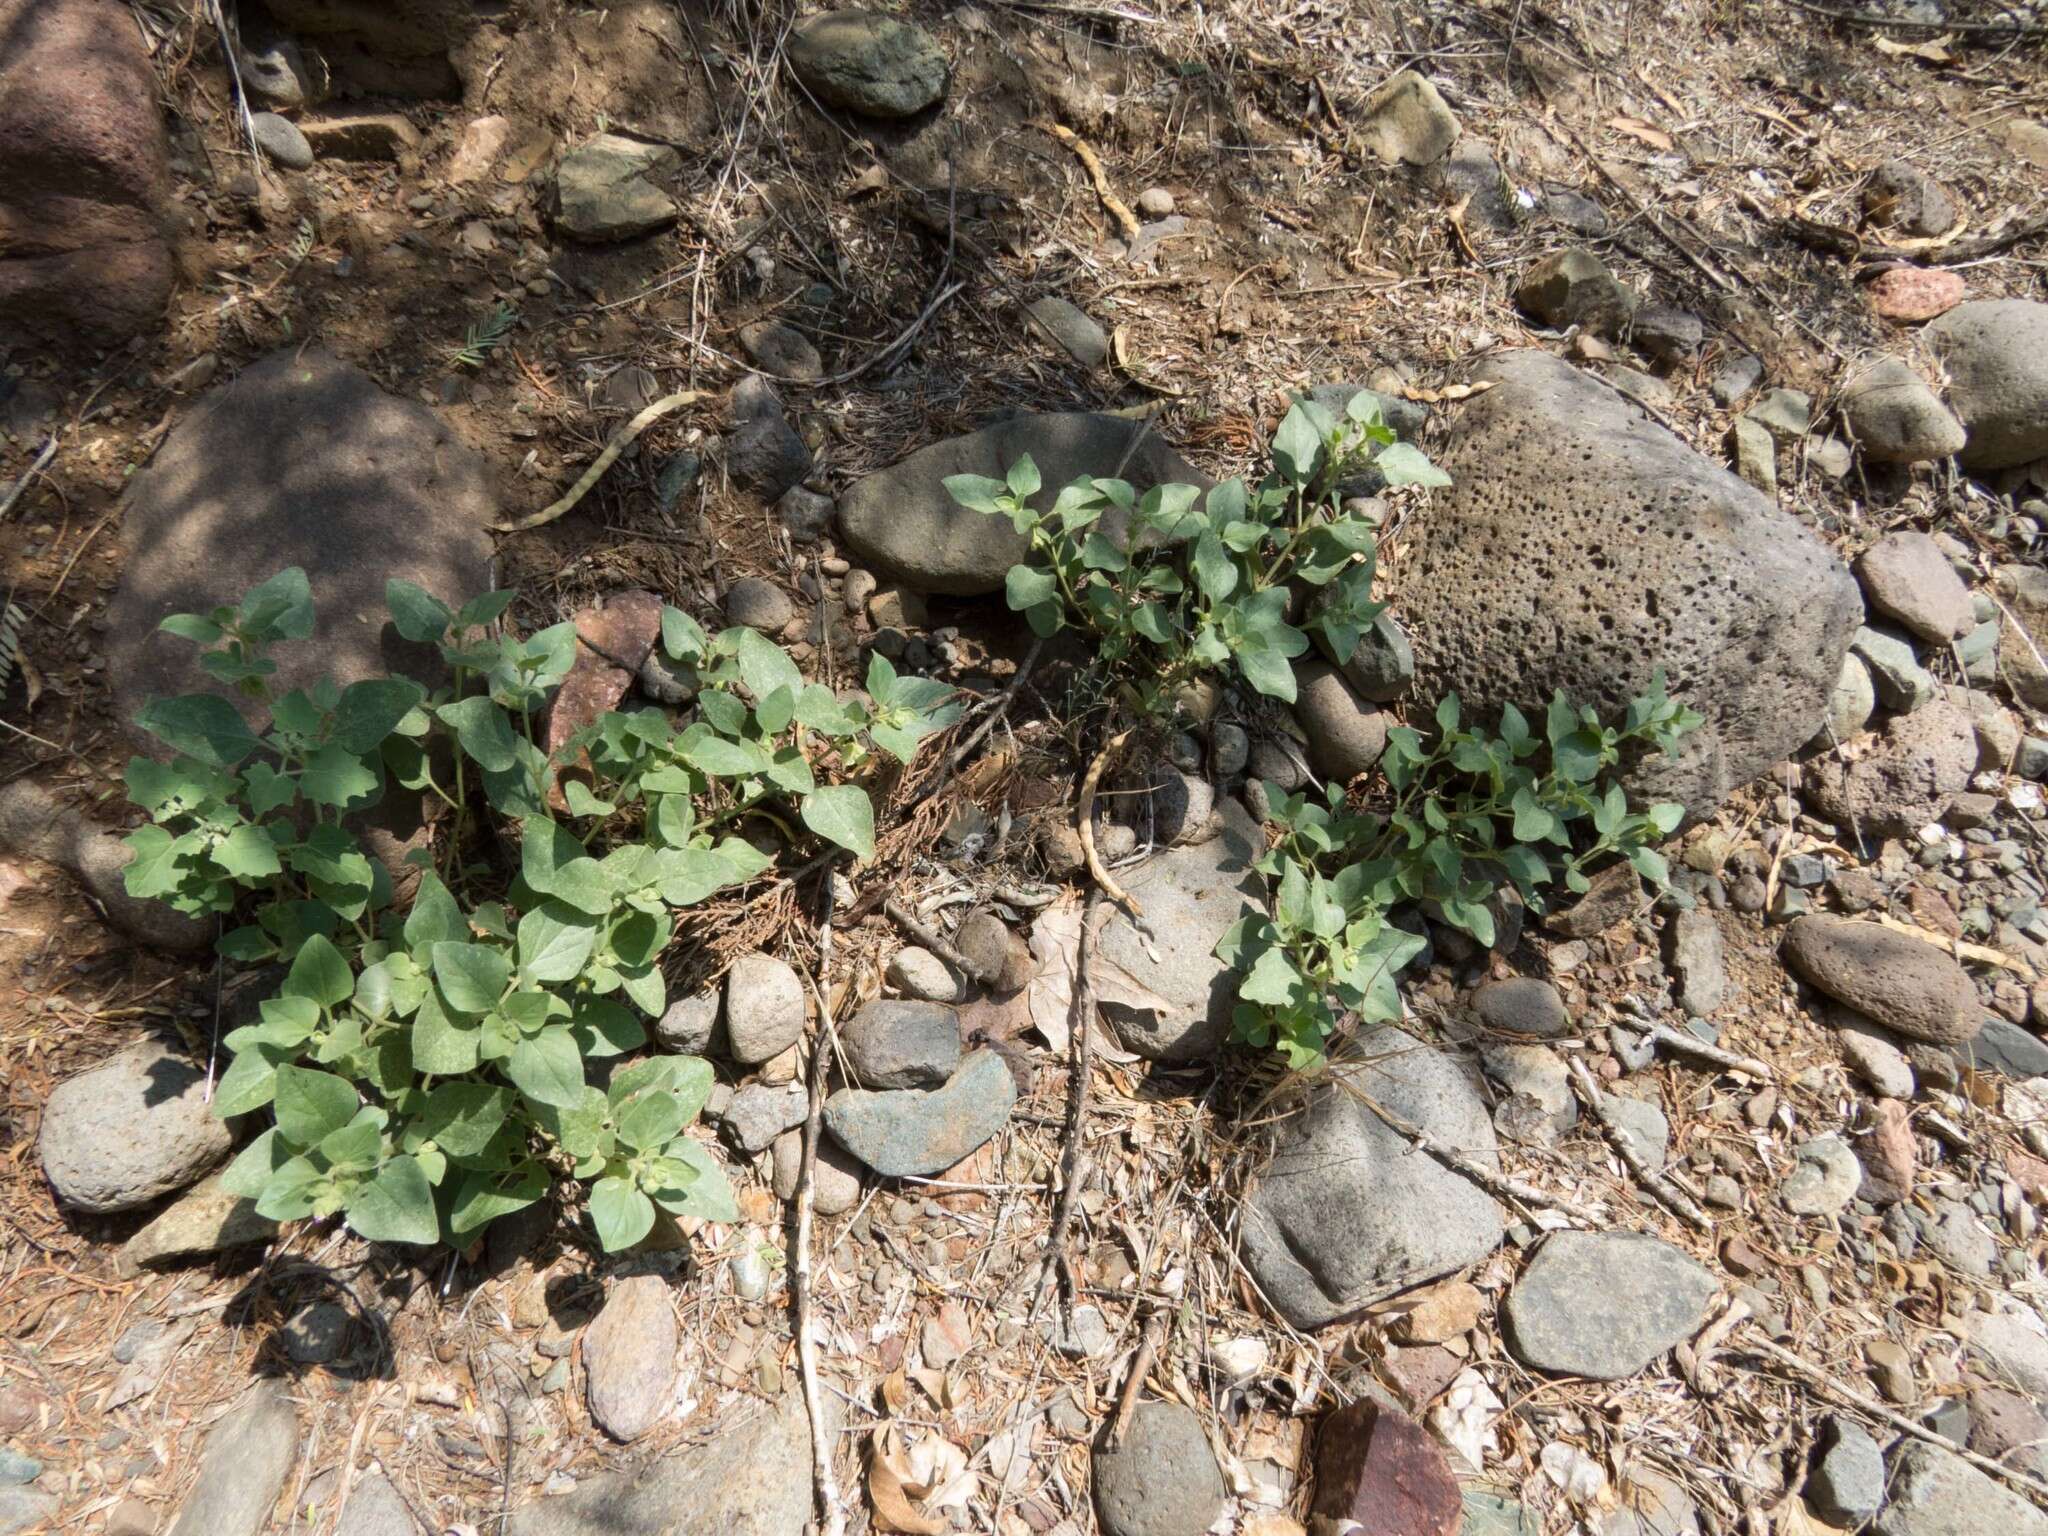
[
  {"x": 1074, "y": 1157},
  {"x": 1486, "y": 1178},
  {"x": 1667, "y": 1193},
  {"x": 621, "y": 441},
  {"x": 1085, "y": 812},
  {"x": 824, "y": 1481},
  {"x": 1125, "y": 219},
  {"x": 1685, "y": 1043}
]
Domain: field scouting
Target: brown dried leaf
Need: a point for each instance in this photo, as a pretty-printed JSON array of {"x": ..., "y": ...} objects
[
  {"x": 1056, "y": 946},
  {"x": 1636, "y": 128},
  {"x": 888, "y": 1475},
  {"x": 1933, "y": 51},
  {"x": 1448, "y": 393}
]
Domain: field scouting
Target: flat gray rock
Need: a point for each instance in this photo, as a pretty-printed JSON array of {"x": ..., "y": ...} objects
[
  {"x": 1349, "y": 1212},
  {"x": 902, "y": 1044},
  {"x": 1907, "y": 578},
  {"x": 1692, "y": 944},
  {"x": 920, "y": 1131},
  {"x": 604, "y": 189},
  {"x": 629, "y": 1358},
  {"x": 1178, "y": 1003},
  {"x": 1522, "y": 1005},
  {"x": 1163, "y": 1480},
  {"x": 750, "y": 1477},
  {"x": 1995, "y": 352},
  {"x": 1935, "y": 1493},
  {"x": 375, "y": 1508},
  {"x": 301, "y": 460},
  {"x": 1847, "y": 1484},
  {"x": 902, "y": 522},
  {"x": 130, "y": 1131},
  {"x": 248, "y": 1455},
  {"x": 1604, "y": 1304},
  {"x": 1896, "y": 419},
  {"x": 1582, "y": 546},
  {"x": 2002, "y": 1046},
  {"x": 1825, "y": 1176}
]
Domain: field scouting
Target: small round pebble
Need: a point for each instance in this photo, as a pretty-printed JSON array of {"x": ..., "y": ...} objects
[
  {"x": 280, "y": 139},
  {"x": 1155, "y": 202},
  {"x": 1163, "y": 1481}
]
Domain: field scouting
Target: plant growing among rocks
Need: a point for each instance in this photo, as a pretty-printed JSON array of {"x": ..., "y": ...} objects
[
  {"x": 427, "y": 1069},
  {"x": 1239, "y": 585}
]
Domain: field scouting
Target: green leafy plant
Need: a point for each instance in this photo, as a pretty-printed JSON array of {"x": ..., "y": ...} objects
[
  {"x": 484, "y": 337},
  {"x": 1464, "y": 811},
  {"x": 1174, "y": 583},
  {"x": 426, "y": 1069}
]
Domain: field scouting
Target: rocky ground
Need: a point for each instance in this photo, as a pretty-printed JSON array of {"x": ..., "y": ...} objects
[{"x": 1710, "y": 1211}]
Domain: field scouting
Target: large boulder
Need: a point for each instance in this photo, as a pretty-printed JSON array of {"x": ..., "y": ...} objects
[
  {"x": 902, "y": 522},
  {"x": 386, "y": 47},
  {"x": 1582, "y": 546},
  {"x": 1349, "y": 1211},
  {"x": 1995, "y": 352},
  {"x": 83, "y": 178},
  {"x": 302, "y": 460}
]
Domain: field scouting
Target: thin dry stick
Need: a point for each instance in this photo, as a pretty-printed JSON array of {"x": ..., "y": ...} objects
[
  {"x": 1141, "y": 1367},
  {"x": 930, "y": 938},
  {"x": 1125, "y": 219},
  {"x": 1685, "y": 1043},
  {"x": 1486, "y": 1178},
  {"x": 1667, "y": 1193},
  {"x": 1085, "y": 813},
  {"x": 1898, "y": 1421},
  {"x": 824, "y": 1481},
  {"x": 1074, "y": 1159},
  {"x": 621, "y": 441},
  {"x": 1959, "y": 948},
  {"x": 41, "y": 463}
]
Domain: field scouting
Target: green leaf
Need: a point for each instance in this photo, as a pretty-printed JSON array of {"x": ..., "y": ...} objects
[
  {"x": 280, "y": 608},
  {"x": 1665, "y": 817},
  {"x": 977, "y": 493},
  {"x": 395, "y": 1205},
  {"x": 484, "y": 731},
  {"x": 249, "y": 1083},
  {"x": 649, "y": 1120},
  {"x": 1098, "y": 554},
  {"x": 842, "y": 814},
  {"x": 1273, "y": 979},
  {"x": 1268, "y": 671},
  {"x": 369, "y": 711},
  {"x": 1299, "y": 443},
  {"x": 461, "y": 1118},
  {"x": 621, "y": 1214},
  {"x": 548, "y": 1068},
  {"x": 191, "y": 626},
  {"x": 311, "y": 1105},
  {"x": 200, "y": 725},
  {"x": 726, "y": 759},
  {"x": 1215, "y": 571},
  {"x": 434, "y": 917},
  {"x": 483, "y": 609},
  {"x": 552, "y": 945},
  {"x": 472, "y": 976},
  {"x": 1533, "y": 824},
  {"x": 335, "y": 776},
  {"x": 764, "y": 665},
  {"x": 292, "y": 1192},
  {"x": 682, "y": 637},
  {"x": 1650, "y": 864},
  {"x": 320, "y": 973},
  {"x": 1026, "y": 586},
  {"x": 441, "y": 1046},
  {"x": 247, "y": 852},
  {"x": 254, "y": 1165},
  {"x": 416, "y": 613},
  {"x": 605, "y": 1028},
  {"x": 1023, "y": 479},
  {"x": 157, "y": 862},
  {"x": 553, "y": 862},
  {"x": 707, "y": 1195},
  {"x": 1405, "y": 464},
  {"x": 267, "y": 789},
  {"x": 486, "y": 1194}
]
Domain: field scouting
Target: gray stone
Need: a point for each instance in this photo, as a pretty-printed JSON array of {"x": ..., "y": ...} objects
[
  {"x": 1604, "y": 1304},
  {"x": 1172, "y": 998},
  {"x": 1163, "y": 1480},
  {"x": 764, "y": 1008},
  {"x": 1901, "y": 196},
  {"x": 1406, "y": 121},
  {"x": 1230, "y": 749},
  {"x": 2023, "y": 647},
  {"x": 1522, "y": 1005},
  {"x": 23, "y": 1509},
  {"x": 2012, "y": 1340},
  {"x": 361, "y": 136},
  {"x": 1913, "y": 988},
  {"x": 1692, "y": 943},
  {"x": 868, "y": 63},
  {"x": 1533, "y": 1072},
  {"x": 1900, "y": 681},
  {"x": 629, "y": 1358},
  {"x": 1784, "y": 413},
  {"x": 1735, "y": 378},
  {"x": 751, "y": 1478},
  {"x": 1082, "y": 338},
  {"x": 1574, "y": 287},
  {"x": 1904, "y": 777},
  {"x": 35, "y": 824},
  {"x": 1652, "y": 1505},
  {"x": 1346, "y": 735},
  {"x": 1852, "y": 703},
  {"x": 1896, "y": 419},
  {"x": 1644, "y": 1125},
  {"x": 605, "y": 190},
  {"x": 2030, "y": 758},
  {"x": 1825, "y": 1177},
  {"x": 689, "y": 1024},
  {"x": 782, "y": 350},
  {"x": 301, "y": 460},
  {"x": 1846, "y": 1485},
  {"x": 1086, "y": 1335},
  {"x": 1155, "y": 203},
  {"x": 280, "y": 139},
  {"x": 1960, "y": 1240},
  {"x": 1577, "y": 213},
  {"x": 1907, "y": 578},
  {"x": 920, "y": 974},
  {"x": 902, "y": 521},
  {"x": 1754, "y": 453},
  {"x": 130, "y": 1131},
  {"x": 765, "y": 455},
  {"x": 835, "y": 1177},
  {"x": 1470, "y": 175},
  {"x": 1493, "y": 1514},
  {"x": 1936, "y": 1493},
  {"x": 1583, "y": 547},
  {"x": 902, "y": 1045},
  {"x": 754, "y": 603},
  {"x": 1995, "y": 354},
  {"x": 806, "y": 514},
  {"x": 1829, "y": 456},
  {"x": 248, "y": 1455},
  {"x": 1668, "y": 336},
  {"x": 16, "y": 1468},
  {"x": 375, "y": 1508},
  {"x": 1278, "y": 765},
  {"x": 1347, "y": 1213},
  {"x": 1382, "y": 667},
  {"x": 2001, "y": 1046},
  {"x": 759, "y": 1112},
  {"x": 924, "y": 1132},
  {"x": 1872, "y": 1055},
  {"x": 316, "y": 1334}
]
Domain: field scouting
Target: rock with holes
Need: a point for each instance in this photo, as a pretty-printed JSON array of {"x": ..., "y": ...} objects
[
  {"x": 1583, "y": 547},
  {"x": 1914, "y": 988},
  {"x": 1347, "y": 1213},
  {"x": 132, "y": 1130},
  {"x": 1902, "y": 776},
  {"x": 903, "y": 522},
  {"x": 1995, "y": 352}
]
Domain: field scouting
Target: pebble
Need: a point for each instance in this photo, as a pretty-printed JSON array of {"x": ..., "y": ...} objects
[
  {"x": 918, "y": 973},
  {"x": 1522, "y": 1005},
  {"x": 756, "y": 604},
  {"x": 1846, "y": 1485},
  {"x": 316, "y": 1333},
  {"x": 764, "y": 1008},
  {"x": 280, "y": 139},
  {"x": 925, "y": 1132},
  {"x": 1163, "y": 1480},
  {"x": 1155, "y": 203},
  {"x": 1824, "y": 1178},
  {"x": 1891, "y": 1368},
  {"x": 891, "y": 1045},
  {"x": 1604, "y": 1304}
]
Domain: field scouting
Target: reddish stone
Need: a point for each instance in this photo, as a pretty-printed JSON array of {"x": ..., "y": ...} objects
[
  {"x": 2030, "y": 1173},
  {"x": 614, "y": 641},
  {"x": 1382, "y": 1469},
  {"x": 2009, "y": 1429},
  {"x": 1417, "y": 1375},
  {"x": 1909, "y": 294},
  {"x": 1889, "y": 1154},
  {"x": 83, "y": 174}
]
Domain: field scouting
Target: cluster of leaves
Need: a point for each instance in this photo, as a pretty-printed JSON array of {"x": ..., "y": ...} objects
[
  {"x": 1173, "y": 583},
  {"x": 1467, "y": 810},
  {"x": 427, "y": 1068}
]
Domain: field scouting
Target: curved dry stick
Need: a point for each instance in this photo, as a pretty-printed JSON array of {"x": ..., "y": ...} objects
[
  {"x": 1126, "y": 220},
  {"x": 1086, "y": 811},
  {"x": 618, "y": 445}
]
